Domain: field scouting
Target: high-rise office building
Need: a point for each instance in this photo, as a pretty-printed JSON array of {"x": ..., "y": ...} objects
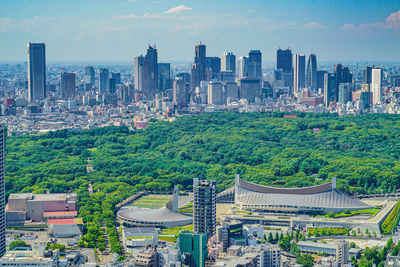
[
  {"x": 90, "y": 75},
  {"x": 204, "y": 207},
  {"x": 367, "y": 73},
  {"x": 67, "y": 85},
  {"x": 164, "y": 76},
  {"x": 228, "y": 62},
  {"x": 215, "y": 94},
  {"x": 320, "y": 79},
  {"x": 193, "y": 248},
  {"x": 250, "y": 89},
  {"x": 342, "y": 252},
  {"x": 284, "y": 60},
  {"x": 198, "y": 69},
  {"x": 116, "y": 76},
  {"x": 112, "y": 85},
  {"x": 150, "y": 74},
  {"x": 3, "y": 137},
  {"x": 299, "y": 74},
  {"x": 36, "y": 71},
  {"x": 345, "y": 90},
  {"x": 213, "y": 63},
  {"x": 330, "y": 88},
  {"x": 343, "y": 75},
  {"x": 181, "y": 92},
  {"x": 243, "y": 65},
  {"x": 104, "y": 76},
  {"x": 312, "y": 73},
  {"x": 376, "y": 85},
  {"x": 138, "y": 72},
  {"x": 255, "y": 65}
]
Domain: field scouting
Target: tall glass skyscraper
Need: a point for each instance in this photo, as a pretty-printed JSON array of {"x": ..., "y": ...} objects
[
  {"x": 3, "y": 136},
  {"x": 104, "y": 83},
  {"x": 299, "y": 76},
  {"x": 254, "y": 67},
  {"x": 312, "y": 72},
  {"x": 284, "y": 60},
  {"x": 90, "y": 75},
  {"x": 150, "y": 74},
  {"x": 164, "y": 76},
  {"x": 36, "y": 71},
  {"x": 67, "y": 85},
  {"x": 228, "y": 62}
]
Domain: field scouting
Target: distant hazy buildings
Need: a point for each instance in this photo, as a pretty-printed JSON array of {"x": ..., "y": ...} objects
[
  {"x": 299, "y": 73},
  {"x": 243, "y": 64},
  {"x": 228, "y": 62},
  {"x": 181, "y": 91},
  {"x": 215, "y": 94},
  {"x": 213, "y": 64},
  {"x": 36, "y": 71},
  {"x": 67, "y": 85},
  {"x": 312, "y": 73},
  {"x": 204, "y": 207},
  {"x": 254, "y": 67}
]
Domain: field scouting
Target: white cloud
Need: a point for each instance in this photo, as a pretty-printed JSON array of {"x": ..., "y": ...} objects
[
  {"x": 393, "y": 21},
  {"x": 6, "y": 24},
  {"x": 127, "y": 16},
  {"x": 177, "y": 9},
  {"x": 313, "y": 26},
  {"x": 150, "y": 16}
]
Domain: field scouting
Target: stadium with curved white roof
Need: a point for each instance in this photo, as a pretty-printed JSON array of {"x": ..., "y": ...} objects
[{"x": 320, "y": 198}]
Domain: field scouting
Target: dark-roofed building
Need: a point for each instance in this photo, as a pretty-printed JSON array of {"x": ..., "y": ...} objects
[{"x": 313, "y": 199}]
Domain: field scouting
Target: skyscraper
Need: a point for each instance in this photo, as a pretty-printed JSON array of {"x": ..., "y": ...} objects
[
  {"x": 90, "y": 75},
  {"x": 299, "y": 73},
  {"x": 104, "y": 83},
  {"x": 367, "y": 73},
  {"x": 3, "y": 136},
  {"x": 116, "y": 76},
  {"x": 112, "y": 85},
  {"x": 198, "y": 69},
  {"x": 213, "y": 63},
  {"x": 376, "y": 85},
  {"x": 36, "y": 71},
  {"x": 255, "y": 68},
  {"x": 164, "y": 76},
  {"x": 204, "y": 207},
  {"x": 228, "y": 62},
  {"x": 181, "y": 92},
  {"x": 320, "y": 79},
  {"x": 344, "y": 93},
  {"x": 330, "y": 88},
  {"x": 138, "y": 72},
  {"x": 284, "y": 60},
  {"x": 150, "y": 74},
  {"x": 243, "y": 65},
  {"x": 67, "y": 85},
  {"x": 312, "y": 73}
]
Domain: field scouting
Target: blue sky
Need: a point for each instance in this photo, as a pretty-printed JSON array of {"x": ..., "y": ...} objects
[{"x": 84, "y": 30}]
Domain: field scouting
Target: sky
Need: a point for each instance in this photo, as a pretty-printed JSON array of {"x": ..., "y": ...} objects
[{"x": 119, "y": 30}]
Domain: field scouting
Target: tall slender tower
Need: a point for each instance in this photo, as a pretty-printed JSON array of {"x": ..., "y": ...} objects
[
  {"x": 103, "y": 80},
  {"x": 299, "y": 73},
  {"x": 198, "y": 69},
  {"x": 204, "y": 207},
  {"x": 3, "y": 136},
  {"x": 36, "y": 71},
  {"x": 312, "y": 72},
  {"x": 67, "y": 85},
  {"x": 138, "y": 72},
  {"x": 150, "y": 74}
]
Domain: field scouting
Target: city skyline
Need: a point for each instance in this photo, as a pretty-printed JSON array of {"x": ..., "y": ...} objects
[{"x": 342, "y": 31}]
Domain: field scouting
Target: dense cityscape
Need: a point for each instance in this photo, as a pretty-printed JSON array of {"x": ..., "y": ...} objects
[{"x": 229, "y": 159}]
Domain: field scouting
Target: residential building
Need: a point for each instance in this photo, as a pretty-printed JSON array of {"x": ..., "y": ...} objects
[
  {"x": 342, "y": 252},
  {"x": 204, "y": 207},
  {"x": 148, "y": 257}
]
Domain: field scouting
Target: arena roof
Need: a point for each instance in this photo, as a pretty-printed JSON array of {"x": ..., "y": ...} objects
[{"x": 323, "y": 197}]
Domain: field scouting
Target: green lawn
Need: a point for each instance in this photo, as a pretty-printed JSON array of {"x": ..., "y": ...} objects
[
  {"x": 151, "y": 202},
  {"x": 371, "y": 212},
  {"x": 187, "y": 208},
  {"x": 167, "y": 238},
  {"x": 175, "y": 230}
]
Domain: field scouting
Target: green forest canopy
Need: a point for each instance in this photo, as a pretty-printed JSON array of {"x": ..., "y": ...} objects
[{"x": 361, "y": 151}]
